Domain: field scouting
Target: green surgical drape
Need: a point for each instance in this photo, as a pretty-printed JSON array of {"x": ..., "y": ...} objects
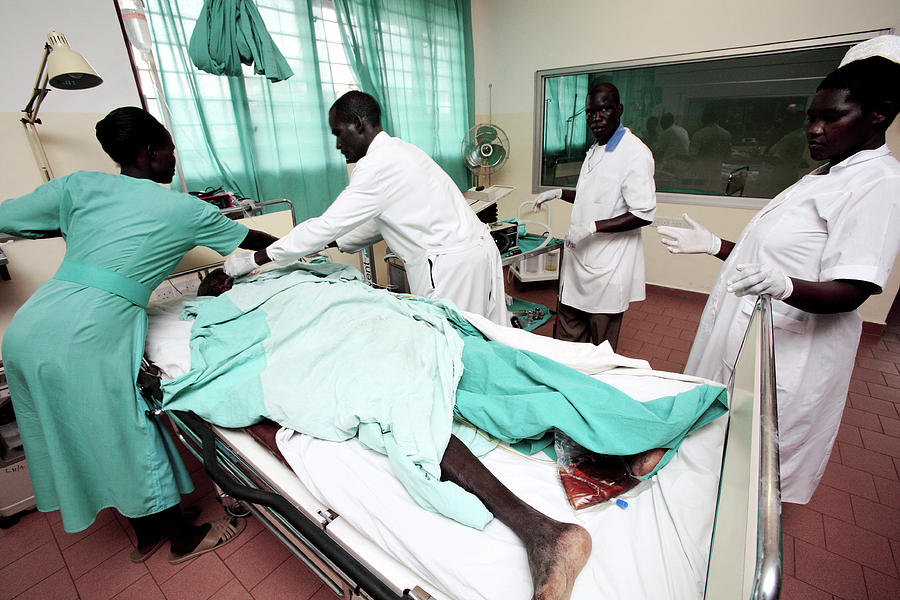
[{"x": 231, "y": 32}]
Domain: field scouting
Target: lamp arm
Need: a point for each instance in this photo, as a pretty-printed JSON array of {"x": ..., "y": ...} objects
[
  {"x": 77, "y": 75},
  {"x": 40, "y": 90},
  {"x": 31, "y": 111}
]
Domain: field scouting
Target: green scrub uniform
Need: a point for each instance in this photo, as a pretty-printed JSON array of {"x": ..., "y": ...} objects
[{"x": 73, "y": 350}]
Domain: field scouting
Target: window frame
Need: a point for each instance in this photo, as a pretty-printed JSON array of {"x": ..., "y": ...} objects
[
  {"x": 693, "y": 57},
  {"x": 148, "y": 72}
]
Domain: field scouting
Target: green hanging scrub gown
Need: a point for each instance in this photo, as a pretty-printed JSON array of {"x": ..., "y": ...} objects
[{"x": 73, "y": 350}]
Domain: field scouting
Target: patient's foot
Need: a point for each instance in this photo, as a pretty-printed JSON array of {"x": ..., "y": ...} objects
[
  {"x": 644, "y": 462},
  {"x": 556, "y": 554}
]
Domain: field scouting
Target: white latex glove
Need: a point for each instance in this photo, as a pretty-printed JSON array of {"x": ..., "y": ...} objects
[
  {"x": 756, "y": 280},
  {"x": 545, "y": 197},
  {"x": 696, "y": 239},
  {"x": 240, "y": 264},
  {"x": 577, "y": 232}
]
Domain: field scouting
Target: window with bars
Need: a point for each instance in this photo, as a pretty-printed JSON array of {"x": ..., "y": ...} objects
[
  {"x": 334, "y": 69},
  {"x": 267, "y": 140},
  {"x": 255, "y": 138}
]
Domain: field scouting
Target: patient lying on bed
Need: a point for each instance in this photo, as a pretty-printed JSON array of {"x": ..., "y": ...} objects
[{"x": 316, "y": 350}]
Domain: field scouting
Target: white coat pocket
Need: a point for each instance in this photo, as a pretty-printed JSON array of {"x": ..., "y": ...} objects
[
  {"x": 736, "y": 332},
  {"x": 792, "y": 345},
  {"x": 791, "y": 341}
]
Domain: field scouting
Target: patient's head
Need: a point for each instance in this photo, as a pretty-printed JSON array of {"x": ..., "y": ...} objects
[{"x": 215, "y": 283}]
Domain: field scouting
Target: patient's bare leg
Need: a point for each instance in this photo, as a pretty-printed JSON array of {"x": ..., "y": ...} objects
[
  {"x": 644, "y": 462},
  {"x": 556, "y": 551}
]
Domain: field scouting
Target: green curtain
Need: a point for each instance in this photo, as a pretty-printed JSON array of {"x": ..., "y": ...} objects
[
  {"x": 565, "y": 128},
  {"x": 415, "y": 58},
  {"x": 258, "y": 139},
  {"x": 638, "y": 94}
]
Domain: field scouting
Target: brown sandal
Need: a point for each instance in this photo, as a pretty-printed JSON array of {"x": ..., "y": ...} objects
[
  {"x": 137, "y": 556},
  {"x": 190, "y": 513},
  {"x": 220, "y": 533}
]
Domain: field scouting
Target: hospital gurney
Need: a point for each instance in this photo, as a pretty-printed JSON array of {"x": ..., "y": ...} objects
[{"x": 354, "y": 565}]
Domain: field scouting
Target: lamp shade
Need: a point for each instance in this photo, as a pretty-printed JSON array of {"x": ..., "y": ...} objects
[{"x": 66, "y": 69}]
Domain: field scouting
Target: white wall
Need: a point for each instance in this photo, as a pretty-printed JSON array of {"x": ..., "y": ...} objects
[
  {"x": 67, "y": 130},
  {"x": 91, "y": 28},
  {"x": 515, "y": 38},
  {"x": 68, "y": 117}
]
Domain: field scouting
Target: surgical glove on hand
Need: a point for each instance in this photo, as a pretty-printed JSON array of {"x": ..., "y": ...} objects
[
  {"x": 240, "y": 264},
  {"x": 756, "y": 280},
  {"x": 577, "y": 232},
  {"x": 695, "y": 239},
  {"x": 546, "y": 196}
]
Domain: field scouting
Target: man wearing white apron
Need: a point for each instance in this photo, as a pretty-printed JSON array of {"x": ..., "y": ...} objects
[
  {"x": 399, "y": 194},
  {"x": 821, "y": 247},
  {"x": 603, "y": 264}
]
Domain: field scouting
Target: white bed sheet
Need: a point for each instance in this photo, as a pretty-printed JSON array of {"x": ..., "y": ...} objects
[
  {"x": 657, "y": 548},
  {"x": 167, "y": 343}
]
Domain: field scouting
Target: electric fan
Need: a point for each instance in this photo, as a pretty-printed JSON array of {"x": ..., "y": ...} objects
[{"x": 485, "y": 149}]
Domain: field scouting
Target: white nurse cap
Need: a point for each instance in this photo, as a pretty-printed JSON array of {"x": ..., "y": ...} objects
[{"x": 887, "y": 46}]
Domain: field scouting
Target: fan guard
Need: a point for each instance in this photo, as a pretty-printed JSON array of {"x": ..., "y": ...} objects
[{"x": 485, "y": 149}]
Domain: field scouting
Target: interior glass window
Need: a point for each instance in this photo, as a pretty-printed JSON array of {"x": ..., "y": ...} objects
[{"x": 718, "y": 127}]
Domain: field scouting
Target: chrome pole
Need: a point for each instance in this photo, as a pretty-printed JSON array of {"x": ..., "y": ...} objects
[{"x": 767, "y": 584}]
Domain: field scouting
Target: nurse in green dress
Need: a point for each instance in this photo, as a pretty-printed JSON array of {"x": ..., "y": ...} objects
[{"x": 73, "y": 350}]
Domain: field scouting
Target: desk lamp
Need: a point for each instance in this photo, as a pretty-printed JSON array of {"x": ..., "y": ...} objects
[{"x": 64, "y": 69}]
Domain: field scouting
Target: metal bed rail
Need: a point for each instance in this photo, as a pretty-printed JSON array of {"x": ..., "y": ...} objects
[
  {"x": 767, "y": 581},
  {"x": 308, "y": 531},
  {"x": 250, "y": 208},
  {"x": 235, "y": 482},
  {"x": 247, "y": 208},
  {"x": 230, "y": 476},
  {"x": 229, "y": 465},
  {"x": 745, "y": 558}
]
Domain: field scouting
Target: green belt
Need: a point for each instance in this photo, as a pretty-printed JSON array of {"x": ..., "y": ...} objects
[{"x": 103, "y": 279}]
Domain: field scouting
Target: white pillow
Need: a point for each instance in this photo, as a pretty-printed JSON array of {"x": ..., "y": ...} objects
[{"x": 168, "y": 337}]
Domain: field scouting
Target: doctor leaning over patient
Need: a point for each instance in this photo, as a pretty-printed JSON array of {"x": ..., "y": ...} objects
[
  {"x": 73, "y": 350},
  {"x": 820, "y": 248},
  {"x": 603, "y": 264},
  {"x": 399, "y": 194}
]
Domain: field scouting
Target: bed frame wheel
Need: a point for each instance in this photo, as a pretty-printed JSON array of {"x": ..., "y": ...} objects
[{"x": 233, "y": 507}]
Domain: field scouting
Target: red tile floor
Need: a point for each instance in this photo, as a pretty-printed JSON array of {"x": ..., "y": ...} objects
[{"x": 845, "y": 544}]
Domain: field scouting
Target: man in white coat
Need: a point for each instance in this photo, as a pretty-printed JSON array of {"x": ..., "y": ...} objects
[
  {"x": 819, "y": 249},
  {"x": 603, "y": 264},
  {"x": 673, "y": 140},
  {"x": 399, "y": 194}
]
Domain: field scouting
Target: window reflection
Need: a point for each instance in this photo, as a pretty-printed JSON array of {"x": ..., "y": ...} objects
[{"x": 725, "y": 127}]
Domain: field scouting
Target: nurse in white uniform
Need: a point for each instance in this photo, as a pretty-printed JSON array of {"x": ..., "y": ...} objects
[
  {"x": 603, "y": 265},
  {"x": 820, "y": 249},
  {"x": 399, "y": 194}
]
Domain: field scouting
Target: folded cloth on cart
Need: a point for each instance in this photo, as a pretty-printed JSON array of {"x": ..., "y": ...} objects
[{"x": 315, "y": 349}]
